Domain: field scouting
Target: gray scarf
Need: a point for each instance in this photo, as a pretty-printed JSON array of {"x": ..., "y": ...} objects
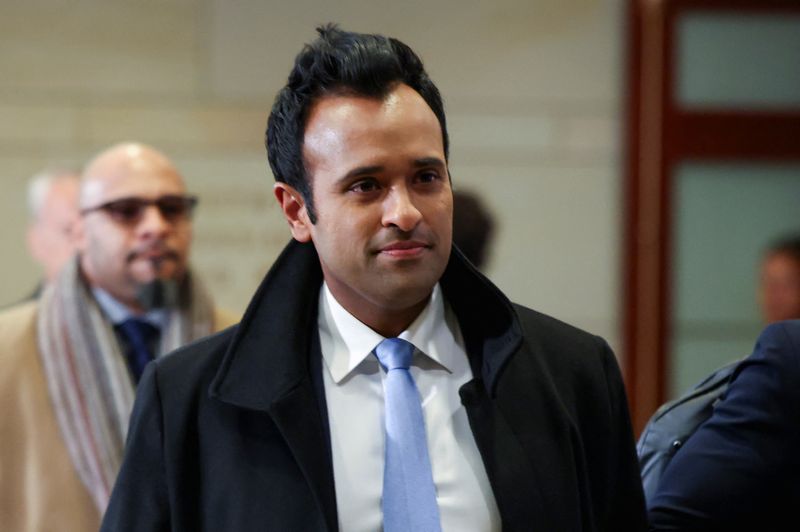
[{"x": 87, "y": 375}]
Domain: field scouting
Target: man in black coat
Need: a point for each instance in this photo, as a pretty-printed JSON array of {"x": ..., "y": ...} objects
[{"x": 278, "y": 424}]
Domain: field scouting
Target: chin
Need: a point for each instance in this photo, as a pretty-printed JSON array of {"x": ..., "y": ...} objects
[
  {"x": 147, "y": 273},
  {"x": 401, "y": 296}
]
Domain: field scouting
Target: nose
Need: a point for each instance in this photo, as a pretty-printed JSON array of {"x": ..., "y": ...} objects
[
  {"x": 400, "y": 210},
  {"x": 153, "y": 225}
]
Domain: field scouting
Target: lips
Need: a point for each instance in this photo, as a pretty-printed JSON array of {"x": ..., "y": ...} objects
[
  {"x": 154, "y": 254},
  {"x": 405, "y": 248}
]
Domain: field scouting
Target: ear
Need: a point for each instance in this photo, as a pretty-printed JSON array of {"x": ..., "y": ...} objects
[{"x": 294, "y": 209}]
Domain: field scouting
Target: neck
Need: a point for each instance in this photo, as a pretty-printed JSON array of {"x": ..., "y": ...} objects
[
  {"x": 391, "y": 325},
  {"x": 109, "y": 302},
  {"x": 388, "y": 322}
]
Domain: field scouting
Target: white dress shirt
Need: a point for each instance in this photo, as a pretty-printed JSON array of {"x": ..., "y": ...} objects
[{"x": 353, "y": 383}]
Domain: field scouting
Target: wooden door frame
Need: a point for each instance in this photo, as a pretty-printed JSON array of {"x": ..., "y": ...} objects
[{"x": 659, "y": 135}]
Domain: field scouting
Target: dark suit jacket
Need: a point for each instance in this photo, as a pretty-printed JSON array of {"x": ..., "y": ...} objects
[
  {"x": 231, "y": 433},
  {"x": 741, "y": 469}
]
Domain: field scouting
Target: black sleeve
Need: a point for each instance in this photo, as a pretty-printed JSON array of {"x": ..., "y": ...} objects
[
  {"x": 739, "y": 468},
  {"x": 139, "y": 501},
  {"x": 626, "y": 507}
]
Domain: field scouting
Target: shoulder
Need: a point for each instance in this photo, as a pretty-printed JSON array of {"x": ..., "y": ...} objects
[
  {"x": 224, "y": 318},
  {"x": 739, "y": 468},
  {"x": 766, "y": 384},
  {"x": 18, "y": 346},
  {"x": 783, "y": 336},
  {"x": 17, "y": 328},
  {"x": 194, "y": 365},
  {"x": 555, "y": 338},
  {"x": 546, "y": 326},
  {"x": 18, "y": 316},
  {"x": 580, "y": 365},
  {"x": 776, "y": 356}
]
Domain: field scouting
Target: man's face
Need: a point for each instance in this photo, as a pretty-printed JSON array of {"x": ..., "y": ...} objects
[
  {"x": 119, "y": 256},
  {"x": 51, "y": 237},
  {"x": 779, "y": 288},
  {"x": 382, "y": 194}
]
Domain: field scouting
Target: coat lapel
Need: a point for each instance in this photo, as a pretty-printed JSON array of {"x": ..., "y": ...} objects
[
  {"x": 268, "y": 367},
  {"x": 304, "y": 434},
  {"x": 524, "y": 447},
  {"x": 510, "y": 473}
]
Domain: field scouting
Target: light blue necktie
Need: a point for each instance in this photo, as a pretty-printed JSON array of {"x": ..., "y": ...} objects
[{"x": 409, "y": 496}]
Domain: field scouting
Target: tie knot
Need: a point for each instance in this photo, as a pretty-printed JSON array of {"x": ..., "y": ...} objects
[
  {"x": 394, "y": 353},
  {"x": 139, "y": 330}
]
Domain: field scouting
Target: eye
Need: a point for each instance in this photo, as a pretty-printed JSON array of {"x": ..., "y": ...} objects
[
  {"x": 364, "y": 186},
  {"x": 125, "y": 210},
  {"x": 428, "y": 176},
  {"x": 175, "y": 207}
]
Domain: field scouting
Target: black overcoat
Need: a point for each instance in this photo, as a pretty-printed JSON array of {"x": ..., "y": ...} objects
[{"x": 231, "y": 433}]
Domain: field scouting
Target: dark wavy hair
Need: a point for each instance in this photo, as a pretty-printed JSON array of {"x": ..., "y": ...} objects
[{"x": 339, "y": 62}]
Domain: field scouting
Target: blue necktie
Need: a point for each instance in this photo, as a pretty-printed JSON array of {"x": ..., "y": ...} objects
[
  {"x": 409, "y": 496},
  {"x": 140, "y": 335}
]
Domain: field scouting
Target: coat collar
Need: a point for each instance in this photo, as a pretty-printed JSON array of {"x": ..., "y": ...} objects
[
  {"x": 268, "y": 357},
  {"x": 273, "y": 361}
]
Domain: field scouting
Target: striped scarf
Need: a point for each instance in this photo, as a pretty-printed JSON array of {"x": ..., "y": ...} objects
[{"x": 87, "y": 375}]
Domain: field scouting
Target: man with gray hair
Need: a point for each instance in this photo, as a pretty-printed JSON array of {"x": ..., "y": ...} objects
[
  {"x": 53, "y": 209},
  {"x": 70, "y": 362}
]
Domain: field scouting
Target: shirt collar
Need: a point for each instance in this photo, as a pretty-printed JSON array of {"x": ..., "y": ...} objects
[
  {"x": 117, "y": 312},
  {"x": 347, "y": 342}
]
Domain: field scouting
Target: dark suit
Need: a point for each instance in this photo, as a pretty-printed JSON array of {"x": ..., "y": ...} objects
[
  {"x": 741, "y": 469},
  {"x": 231, "y": 433}
]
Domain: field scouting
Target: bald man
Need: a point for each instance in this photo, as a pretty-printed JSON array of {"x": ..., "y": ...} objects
[{"x": 69, "y": 362}]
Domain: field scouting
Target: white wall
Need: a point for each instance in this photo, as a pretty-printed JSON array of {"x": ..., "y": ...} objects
[{"x": 532, "y": 89}]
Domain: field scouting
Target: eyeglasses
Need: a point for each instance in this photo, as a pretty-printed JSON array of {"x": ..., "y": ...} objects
[{"x": 129, "y": 211}]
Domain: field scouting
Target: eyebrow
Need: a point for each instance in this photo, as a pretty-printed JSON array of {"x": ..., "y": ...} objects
[
  {"x": 362, "y": 170},
  {"x": 375, "y": 169},
  {"x": 429, "y": 161}
]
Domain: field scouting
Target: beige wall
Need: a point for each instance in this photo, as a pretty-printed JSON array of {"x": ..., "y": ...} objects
[{"x": 532, "y": 89}]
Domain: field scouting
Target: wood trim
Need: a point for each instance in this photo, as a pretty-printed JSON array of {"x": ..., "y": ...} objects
[
  {"x": 732, "y": 5},
  {"x": 736, "y": 135},
  {"x": 630, "y": 191},
  {"x": 659, "y": 135},
  {"x": 643, "y": 321}
]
